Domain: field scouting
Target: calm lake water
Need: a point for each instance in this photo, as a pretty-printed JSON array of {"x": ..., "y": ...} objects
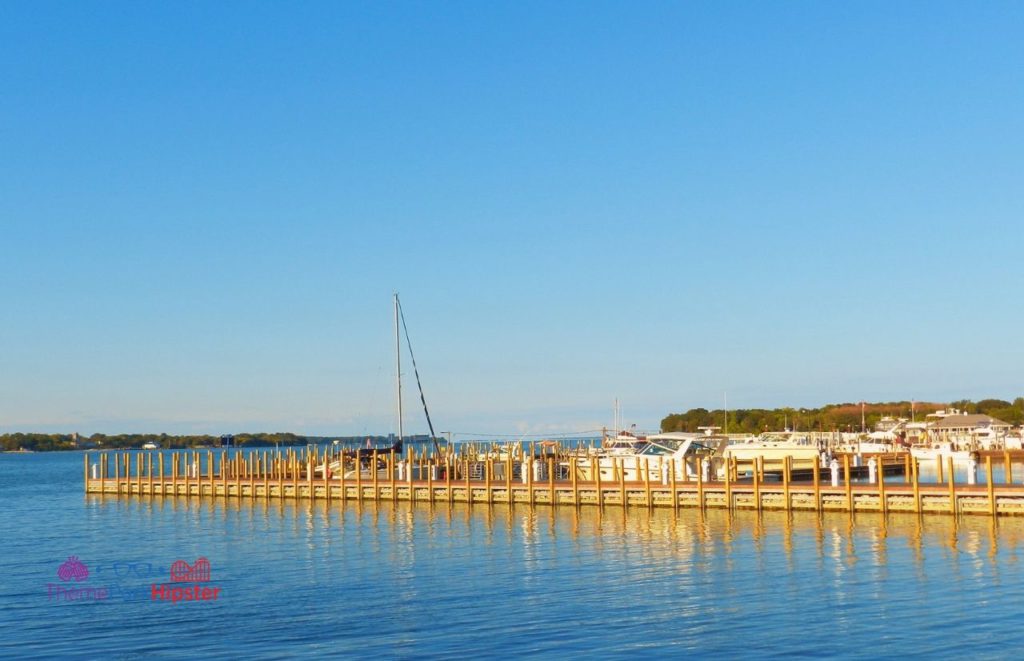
[{"x": 372, "y": 580}]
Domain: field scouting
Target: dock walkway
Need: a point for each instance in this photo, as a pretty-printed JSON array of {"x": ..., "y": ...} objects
[{"x": 483, "y": 479}]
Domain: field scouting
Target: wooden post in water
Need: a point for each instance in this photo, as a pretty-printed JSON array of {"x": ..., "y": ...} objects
[
  {"x": 728, "y": 482},
  {"x": 991, "y": 487},
  {"x": 817, "y": 483},
  {"x": 266, "y": 475},
  {"x": 938, "y": 463},
  {"x": 672, "y": 480},
  {"x": 295, "y": 474},
  {"x": 359, "y": 477},
  {"x": 1008, "y": 468},
  {"x": 647, "y": 482},
  {"x": 883, "y": 504},
  {"x": 622, "y": 481},
  {"x": 508, "y": 474},
  {"x": 448, "y": 478},
  {"x": 846, "y": 479},
  {"x": 326, "y": 471},
  {"x": 917, "y": 484},
  {"x": 952, "y": 488},
  {"x": 376, "y": 486},
  {"x": 575, "y": 481},
  {"x": 906, "y": 467},
  {"x": 310, "y": 462},
  {"x": 469, "y": 489},
  {"x": 785, "y": 480},
  {"x": 486, "y": 456},
  {"x": 595, "y": 468},
  {"x": 432, "y": 462},
  {"x": 551, "y": 479},
  {"x": 700, "y": 484},
  {"x": 411, "y": 470},
  {"x": 757, "y": 482},
  {"x": 391, "y": 475},
  {"x": 160, "y": 461}
]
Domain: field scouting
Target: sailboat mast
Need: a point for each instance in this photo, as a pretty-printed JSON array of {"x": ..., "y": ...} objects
[{"x": 398, "y": 370}]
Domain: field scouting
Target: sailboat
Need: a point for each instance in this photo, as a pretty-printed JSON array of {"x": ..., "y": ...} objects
[{"x": 364, "y": 456}]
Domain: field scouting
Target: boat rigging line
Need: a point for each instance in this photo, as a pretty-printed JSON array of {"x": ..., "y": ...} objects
[{"x": 412, "y": 357}]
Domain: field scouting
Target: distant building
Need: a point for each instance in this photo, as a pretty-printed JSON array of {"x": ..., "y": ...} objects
[{"x": 967, "y": 423}]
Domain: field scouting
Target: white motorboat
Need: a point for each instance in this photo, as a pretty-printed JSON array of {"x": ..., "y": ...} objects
[
  {"x": 657, "y": 459},
  {"x": 773, "y": 447},
  {"x": 940, "y": 450}
]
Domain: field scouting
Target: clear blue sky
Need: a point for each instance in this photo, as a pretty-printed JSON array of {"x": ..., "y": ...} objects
[{"x": 206, "y": 206}]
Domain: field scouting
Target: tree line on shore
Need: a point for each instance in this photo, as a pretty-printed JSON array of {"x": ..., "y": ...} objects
[
  {"x": 832, "y": 417},
  {"x": 51, "y": 442}
]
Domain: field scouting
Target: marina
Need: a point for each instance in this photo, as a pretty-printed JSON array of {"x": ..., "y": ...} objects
[{"x": 558, "y": 477}]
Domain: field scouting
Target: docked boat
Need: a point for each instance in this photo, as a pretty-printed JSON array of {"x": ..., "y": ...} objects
[
  {"x": 656, "y": 459},
  {"x": 940, "y": 450},
  {"x": 773, "y": 447},
  {"x": 150, "y": 446},
  {"x": 623, "y": 443}
]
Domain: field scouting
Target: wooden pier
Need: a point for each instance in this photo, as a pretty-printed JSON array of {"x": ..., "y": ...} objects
[{"x": 547, "y": 479}]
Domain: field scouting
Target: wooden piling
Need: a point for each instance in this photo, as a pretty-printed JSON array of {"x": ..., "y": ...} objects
[
  {"x": 849, "y": 485},
  {"x": 508, "y": 476},
  {"x": 575, "y": 481},
  {"x": 647, "y": 483},
  {"x": 430, "y": 480},
  {"x": 991, "y": 487},
  {"x": 269, "y": 466},
  {"x": 622, "y": 480},
  {"x": 448, "y": 479},
  {"x": 376, "y": 486},
  {"x": 391, "y": 475},
  {"x": 757, "y": 482},
  {"x": 700, "y": 486},
  {"x": 786, "y": 461},
  {"x": 551, "y": 480},
  {"x": 883, "y": 503},
  {"x": 916, "y": 479},
  {"x": 728, "y": 482},
  {"x": 952, "y": 488},
  {"x": 817, "y": 483},
  {"x": 672, "y": 479}
]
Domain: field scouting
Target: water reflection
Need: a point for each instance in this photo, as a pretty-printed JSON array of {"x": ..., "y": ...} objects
[{"x": 841, "y": 541}]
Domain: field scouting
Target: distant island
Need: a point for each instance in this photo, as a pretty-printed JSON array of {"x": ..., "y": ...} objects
[
  {"x": 832, "y": 417},
  {"x": 59, "y": 442}
]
